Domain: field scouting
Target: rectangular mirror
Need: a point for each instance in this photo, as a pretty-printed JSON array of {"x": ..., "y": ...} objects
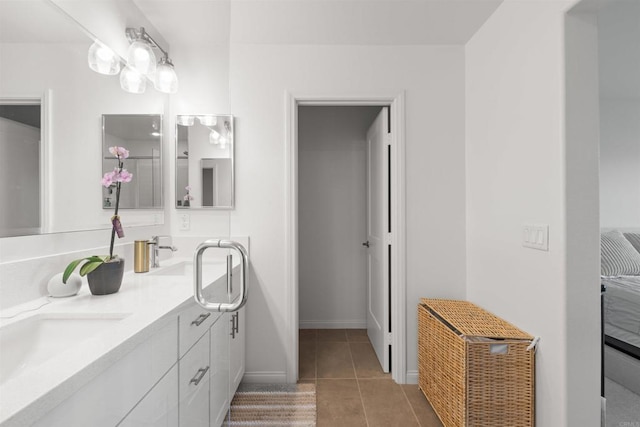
[
  {"x": 204, "y": 161},
  {"x": 141, "y": 134}
]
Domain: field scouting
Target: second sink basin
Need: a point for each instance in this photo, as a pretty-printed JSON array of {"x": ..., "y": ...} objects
[
  {"x": 180, "y": 269},
  {"x": 36, "y": 339}
]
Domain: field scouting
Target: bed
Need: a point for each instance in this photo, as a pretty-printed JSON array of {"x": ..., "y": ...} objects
[{"x": 620, "y": 267}]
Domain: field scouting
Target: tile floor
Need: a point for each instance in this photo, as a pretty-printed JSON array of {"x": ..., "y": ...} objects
[{"x": 351, "y": 388}]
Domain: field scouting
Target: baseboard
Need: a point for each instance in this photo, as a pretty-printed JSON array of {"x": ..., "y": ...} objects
[
  {"x": 412, "y": 377},
  {"x": 265, "y": 377},
  {"x": 333, "y": 324},
  {"x": 622, "y": 368}
]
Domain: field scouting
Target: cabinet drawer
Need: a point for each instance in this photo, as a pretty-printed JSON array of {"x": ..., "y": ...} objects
[
  {"x": 194, "y": 385},
  {"x": 194, "y": 322}
]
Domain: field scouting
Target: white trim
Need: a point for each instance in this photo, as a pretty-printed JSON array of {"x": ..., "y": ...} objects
[
  {"x": 333, "y": 324},
  {"x": 396, "y": 102},
  {"x": 46, "y": 163},
  {"x": 412, "y": 377},
  {"x": 270, "y": 377}
]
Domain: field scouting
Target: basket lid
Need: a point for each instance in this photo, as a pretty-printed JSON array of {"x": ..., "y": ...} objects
[{"x": 474, "y": 321}]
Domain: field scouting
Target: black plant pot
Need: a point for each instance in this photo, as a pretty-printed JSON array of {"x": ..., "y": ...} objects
[{"x": 107, "y": 278}]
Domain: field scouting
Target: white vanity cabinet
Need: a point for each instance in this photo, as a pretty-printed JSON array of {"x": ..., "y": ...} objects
[
  {"x": 107, "y": 399},
  {"x": 237, "y": 350},
  {"x": 159, "y": 408},
  {"x": 219, "y": 354}
]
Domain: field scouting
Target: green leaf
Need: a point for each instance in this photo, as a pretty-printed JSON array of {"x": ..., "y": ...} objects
[
  {"x": 73, "y": 264},
  {"x": 90, "y": 266}
]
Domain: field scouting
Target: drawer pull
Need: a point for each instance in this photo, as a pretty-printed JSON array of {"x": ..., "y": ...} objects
[
  {"x": 200, "y": 319},
  {"x": 199, "y": 376}
]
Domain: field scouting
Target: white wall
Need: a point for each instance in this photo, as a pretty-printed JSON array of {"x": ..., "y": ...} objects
[
  {"x": 432, "y": 77},
  {"x": 519, "y": 171},
  {"x": 332, "y": 209}
]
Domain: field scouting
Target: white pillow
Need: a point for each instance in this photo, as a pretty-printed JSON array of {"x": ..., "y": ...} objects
[{"x": 617, "y": 256}]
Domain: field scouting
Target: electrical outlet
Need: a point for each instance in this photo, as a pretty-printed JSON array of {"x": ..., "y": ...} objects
[
  {"x": 185, "y": 222},
  {"x": 535, "y": 236}
]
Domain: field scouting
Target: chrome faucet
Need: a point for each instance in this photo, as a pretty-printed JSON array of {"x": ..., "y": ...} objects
[{"x": 155, "y": 251}]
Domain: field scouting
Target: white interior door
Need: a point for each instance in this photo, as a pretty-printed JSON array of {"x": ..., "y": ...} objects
[{"x": 377, "y": 230}]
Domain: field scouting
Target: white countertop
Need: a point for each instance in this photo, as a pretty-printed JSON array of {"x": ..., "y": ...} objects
[{"x": 144, "y": 298}]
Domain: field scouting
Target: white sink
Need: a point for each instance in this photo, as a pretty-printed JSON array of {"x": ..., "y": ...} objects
[
  {"x": 183, "y": 268},
  {"x": 32, "y": 341}
]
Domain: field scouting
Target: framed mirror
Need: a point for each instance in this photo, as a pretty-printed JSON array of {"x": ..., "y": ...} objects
[
  {"x": 204, "y": 161},
  {"x": 141, "y": 135}
]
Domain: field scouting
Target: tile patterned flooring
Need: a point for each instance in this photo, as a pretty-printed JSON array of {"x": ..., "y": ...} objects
[{"x": 351, "y": 388}]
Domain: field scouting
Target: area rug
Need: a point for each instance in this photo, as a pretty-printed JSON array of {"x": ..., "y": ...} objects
[{"x": 274, "y": 405}]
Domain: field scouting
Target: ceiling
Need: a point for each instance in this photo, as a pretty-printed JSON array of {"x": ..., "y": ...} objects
[{"x": 332, "y": 22}]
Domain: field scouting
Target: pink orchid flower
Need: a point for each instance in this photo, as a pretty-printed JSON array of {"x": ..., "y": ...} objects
[
  {"x": 108, "y": 179},
  {"x": 125, "y": 176},
  {"x": 188, "y": 188},
  {"x": 120, "y": 152}
]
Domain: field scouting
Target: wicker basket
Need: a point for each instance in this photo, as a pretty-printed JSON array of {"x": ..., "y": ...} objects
[{"x": 474, "y": 368}]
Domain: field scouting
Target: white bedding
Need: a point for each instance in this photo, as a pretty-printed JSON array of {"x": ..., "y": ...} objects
[{"x": 622, "y": 308}]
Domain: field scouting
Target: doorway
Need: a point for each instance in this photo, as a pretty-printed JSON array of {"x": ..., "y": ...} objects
[{"x": 303, "y": 297}]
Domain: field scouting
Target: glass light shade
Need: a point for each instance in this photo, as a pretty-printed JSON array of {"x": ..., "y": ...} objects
[
  {"x": 166, "y": 79},
  {"x": 132, "y": 81},
  {"x": 223, "y": 143},
  {"x": 186, "y": 120},
  {"x": 103, "y": 60},
  {"x": 214, "y": 137},
  {"x": 141, "y": 57},
  {"x": 208, "y": 120}
]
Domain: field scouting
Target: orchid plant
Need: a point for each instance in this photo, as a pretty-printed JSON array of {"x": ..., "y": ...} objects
[
  {"x": 117, "y": 177},
  {"x": 188, "y": 197}
]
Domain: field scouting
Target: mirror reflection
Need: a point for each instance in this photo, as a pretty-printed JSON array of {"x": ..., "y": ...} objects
[
  {"x": 204, "y": 161},
  {"x": 20, "y": 167},
  {"x": 141, "y": 134},
  {"x": 43, "y": 60}
]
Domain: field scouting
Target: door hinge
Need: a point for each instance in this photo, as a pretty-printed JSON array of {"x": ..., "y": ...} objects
[
  {"x": 387, "y": 338},
  {"x": 388, "y": 238},
  {"x": 387, "y": 138}
]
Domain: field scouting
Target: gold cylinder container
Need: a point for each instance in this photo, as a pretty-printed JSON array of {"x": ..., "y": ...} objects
[{"x": 141, "y": 256}]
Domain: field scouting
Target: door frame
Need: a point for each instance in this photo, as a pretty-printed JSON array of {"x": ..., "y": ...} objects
[{"x": 396, "y": 104}]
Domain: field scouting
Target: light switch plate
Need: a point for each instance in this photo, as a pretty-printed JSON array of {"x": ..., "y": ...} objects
[
  {"x": 185, "y": 222},
  {"x": 535, "y": 236}
]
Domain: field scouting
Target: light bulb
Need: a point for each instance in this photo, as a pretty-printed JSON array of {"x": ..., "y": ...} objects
[
  {"x": 208, "y": 120},
  {"x": 223, "y": 143},
  {"x": 103, "y": 60},
  {"x": 132, "y": 81},
  {"x": 166, "y": 79},
  {"x": 214, "y": 137},
  {"x": 186, "y": 120},
  {"x": 141, "y": 57}
]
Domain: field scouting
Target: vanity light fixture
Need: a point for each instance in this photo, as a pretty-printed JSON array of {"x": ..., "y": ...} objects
[
  {"x": 103, "y": 60},
  {"x": 186, "y": 120},
  {"x": 141, "y": 57},
  {"x": 208, "y": 120}
]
